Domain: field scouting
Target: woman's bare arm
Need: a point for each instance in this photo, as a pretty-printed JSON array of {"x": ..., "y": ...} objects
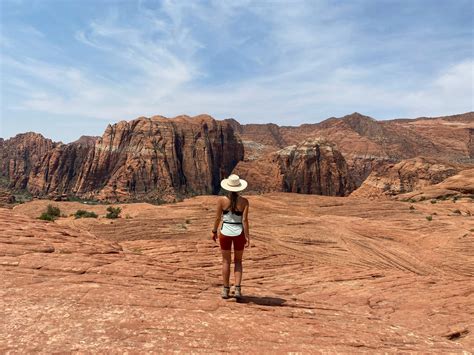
[
  {"x": 218, "y": 218},
  {"x": 245, "y": 221}
]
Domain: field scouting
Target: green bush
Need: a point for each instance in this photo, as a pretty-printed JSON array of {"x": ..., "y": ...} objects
[
  {"x": 114, "y": 212},
  {"x": 53, "y": 211},
  {"x": 429, "y": 218},
  {"x": 46, "y": 217},
  {"x": 85, "y": 214},
  {"x": 50, "y": 214}
]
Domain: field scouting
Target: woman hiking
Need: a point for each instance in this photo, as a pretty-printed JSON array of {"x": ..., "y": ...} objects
[{"x": 233, "y": 209}]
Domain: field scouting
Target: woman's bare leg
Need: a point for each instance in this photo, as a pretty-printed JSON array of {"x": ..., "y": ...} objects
[
  {"x": 226, "y": 258},
  {"x": 238, "y": 266}
]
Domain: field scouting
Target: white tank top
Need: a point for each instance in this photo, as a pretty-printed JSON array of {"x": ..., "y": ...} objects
[{"x": 231, "y": 223}]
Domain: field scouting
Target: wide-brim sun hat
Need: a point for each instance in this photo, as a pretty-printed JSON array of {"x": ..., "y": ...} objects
[{"x": 234, "y": 183}]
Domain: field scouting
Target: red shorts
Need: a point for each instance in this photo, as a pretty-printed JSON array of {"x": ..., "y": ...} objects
[{"x": 226, "y": 241}]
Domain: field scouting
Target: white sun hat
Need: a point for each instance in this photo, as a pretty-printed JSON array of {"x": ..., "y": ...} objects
[{"x": 234, "y": 183}]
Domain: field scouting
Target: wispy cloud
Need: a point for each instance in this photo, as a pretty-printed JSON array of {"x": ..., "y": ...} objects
[{"x": 257, "y": 62}]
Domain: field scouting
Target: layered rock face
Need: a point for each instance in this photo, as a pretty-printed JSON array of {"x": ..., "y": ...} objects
[
  {"x": 147, "y": 158},
  {"x": 314, "y": 167},
  {"x": 20, "y": 154},
  {"x": 457, "y": 186},
  {"x": 406, "y": 176},
  {"x": 368, "y": 145}
]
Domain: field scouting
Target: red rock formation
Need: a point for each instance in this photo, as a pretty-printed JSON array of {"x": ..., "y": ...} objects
[
  {"x": 459, "y": 186},
  {"x": 314, "y": 167},
  {"x": 156, "y": 158},
  {"x": 368, "y": 144},
  {"x": 406, "y": 176},
  {"x": 20, "y": 154}
]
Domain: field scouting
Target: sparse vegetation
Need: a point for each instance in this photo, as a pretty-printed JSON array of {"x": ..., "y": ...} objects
[
  {"x": 182, "y": 226},
  {"x": 127, "y": 216},
  {"x": 188, "y": 221},
  {"x": 433, "y": 201},
  {"x": 457, "y": 211},
  {"x": 455, "y": 198},
  {"x": 422, "y": 198},
  {"x": 429, "y": 218},
  {"x": 113, "y": 212},
  {"x": 46, "y": 217},
  {"x": 412, "y": 208},
  {"x": 50, "y": 214},
  {"x": 85, "y": 214}
]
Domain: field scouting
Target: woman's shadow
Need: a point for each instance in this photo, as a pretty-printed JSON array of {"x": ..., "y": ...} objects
[{"x": 262, "y": 301}]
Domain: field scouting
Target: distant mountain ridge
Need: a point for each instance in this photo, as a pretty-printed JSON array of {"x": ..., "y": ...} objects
[{"x": 159, "y": 158}]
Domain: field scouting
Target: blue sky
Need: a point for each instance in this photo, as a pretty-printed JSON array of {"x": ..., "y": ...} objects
[{"x": 70, "y": 67}]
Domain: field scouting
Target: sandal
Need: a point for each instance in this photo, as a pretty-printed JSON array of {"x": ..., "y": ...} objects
[{"x": 225, "y": 292}]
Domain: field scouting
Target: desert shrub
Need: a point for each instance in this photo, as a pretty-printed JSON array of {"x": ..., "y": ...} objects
[
  {"x": 46, "y": 217},
  {"x": 412, "y": 208},
  {"x": 429, "y": 218},
  {"x": 50, "y": 214},
  {"x": 433, "y": 201},
  {"x": 85, "y": 214},
  {"x": 457, "y": 211},
  {"x": 422, "y": 198},
  {"x": 114, "y": 212},
  {"x": 53, "y": 211}
]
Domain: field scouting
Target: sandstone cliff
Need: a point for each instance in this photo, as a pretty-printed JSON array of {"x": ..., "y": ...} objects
[
  {"x": 406, "y": 176},
  {"x": 368, "y": 144},
  {"x": 314, "y": 166},
  {"x": 147, "y": 158}
]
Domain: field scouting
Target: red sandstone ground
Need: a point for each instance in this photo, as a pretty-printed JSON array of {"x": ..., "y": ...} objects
[{"x": 328, "y": 274}]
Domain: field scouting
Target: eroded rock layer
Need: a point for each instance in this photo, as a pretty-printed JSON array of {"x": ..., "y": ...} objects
[
  {"x": 406, "y": 176},
  {"x": 147, "y": 158},
  {"x": 324, "y": 274},
  {"x": 314, "y": 167},
  {"x": 368, "y": 144}
]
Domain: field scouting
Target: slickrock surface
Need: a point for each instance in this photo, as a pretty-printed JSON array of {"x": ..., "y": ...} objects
[
  {"x": 145, "y": 159},
  {"x": 406, "y": 176},
  {"x": 337, "y": 274}
]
